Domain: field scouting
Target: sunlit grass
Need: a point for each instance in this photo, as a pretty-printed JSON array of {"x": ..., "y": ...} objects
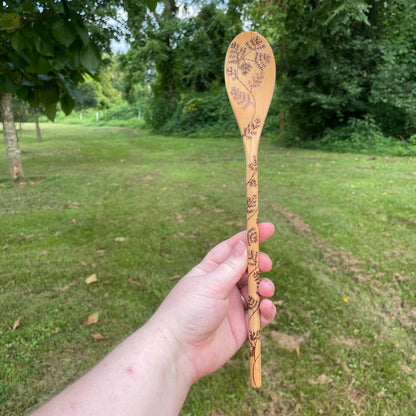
[{"x": 343, "y": 265}]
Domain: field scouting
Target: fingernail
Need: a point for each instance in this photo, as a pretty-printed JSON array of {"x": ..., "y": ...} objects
[{"x": 239, "y": 249}]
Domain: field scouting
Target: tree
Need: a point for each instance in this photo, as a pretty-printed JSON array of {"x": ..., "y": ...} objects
[
  {"x": 181, "y": 58},
  {"x": 154, "y": 38},
  {"x": 10, "y": 137},
  {"x": 393, "y": 93},
  {"x": 46, "y": 48},
  {"x": 326, "y": 51},
  {"x": 343, "y": 61}
]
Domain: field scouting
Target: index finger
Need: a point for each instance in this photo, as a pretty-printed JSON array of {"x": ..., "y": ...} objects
[{"x": 221, "y": 252}]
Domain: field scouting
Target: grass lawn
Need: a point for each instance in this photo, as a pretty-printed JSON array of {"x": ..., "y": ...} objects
[{"x": 137, "y": 210}]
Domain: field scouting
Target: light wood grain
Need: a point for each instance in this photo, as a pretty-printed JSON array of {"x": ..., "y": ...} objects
[{"x": 250, "y": 74}]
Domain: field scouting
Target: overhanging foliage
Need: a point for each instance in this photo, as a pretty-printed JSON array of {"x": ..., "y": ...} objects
[{"x": 47, "y": 47}]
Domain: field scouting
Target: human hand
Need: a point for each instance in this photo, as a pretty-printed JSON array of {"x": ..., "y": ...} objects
[
  {"x": 205, "y": 313},
  {"x": 198, "y": 327}
]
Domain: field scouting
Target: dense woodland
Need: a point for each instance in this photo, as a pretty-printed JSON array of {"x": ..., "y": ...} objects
[{"x": 345, "y": 69}]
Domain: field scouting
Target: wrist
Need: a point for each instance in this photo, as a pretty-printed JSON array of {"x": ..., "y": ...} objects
[
  {"x": 162, "y": 336},
  {"x": 142, "y": 376},
  {"x": 162, "y": 364}
]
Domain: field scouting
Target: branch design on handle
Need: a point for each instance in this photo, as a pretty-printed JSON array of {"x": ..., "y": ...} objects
[{"x": 249, "y": 78}]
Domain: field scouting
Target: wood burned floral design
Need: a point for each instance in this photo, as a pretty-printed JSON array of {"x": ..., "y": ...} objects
[
  {"x": 253, "y": 263},
  {"x": 253, "y": 164},
  {"x": 252, "y": 236},
  {"x": 252, "y": 257},
  {"x": 253, "y": 306},
  {"x": 252, "y": 167},
  {"x": 245, "y": 65},
  {"x": 251, "y": 205},
  {"x": 253, "y": 337},
  {"x": 251, "y": 130},
  {"x": 241, "y": 98}
]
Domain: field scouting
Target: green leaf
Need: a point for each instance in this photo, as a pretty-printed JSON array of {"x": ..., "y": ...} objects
[
  {"x": 24, "y": 93},
  {"x": 63, "y": 33},
  {"x": 10, "y": 20},
  {"x": 80, "y": 28},
  {"x": 59, "y": 61},
  {"x": 6, "y": 84},
  {"x": 49, "y": 94},
  {"x": 82, "y": 33},
  {"x": 44, "y": 46},
  {"x": 38, "y": 65},
  {"x": 90, "y": 58},
  {"x": 31, "y": 96},
  {"x": 18, "y": 41},
  {"x": 44, "y": 65},
  {"x": 67, "y": 104},
  {"x": 73, "y": 58},
  {"x": 151, "y": 4},
  {"x": 50, "y": 111}
]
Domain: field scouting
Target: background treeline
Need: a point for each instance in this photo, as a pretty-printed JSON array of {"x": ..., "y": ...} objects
[{"x": 345, "y": 71}]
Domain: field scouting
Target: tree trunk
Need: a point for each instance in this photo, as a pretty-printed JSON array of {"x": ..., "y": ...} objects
[
  {"x": 10, "y": 136},
  {"x": 38, "y": 133},
  {"x": 282, "y": 121}
]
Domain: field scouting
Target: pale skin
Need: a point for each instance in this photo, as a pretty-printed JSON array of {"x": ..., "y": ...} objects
[{"x": 196, "y": 330}]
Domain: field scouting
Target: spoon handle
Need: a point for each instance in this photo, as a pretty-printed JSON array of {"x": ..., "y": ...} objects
[{"x": 253, "y": 270}]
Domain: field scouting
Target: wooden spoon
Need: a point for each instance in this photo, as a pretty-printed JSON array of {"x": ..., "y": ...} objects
[{"x": 250, "y": 74}]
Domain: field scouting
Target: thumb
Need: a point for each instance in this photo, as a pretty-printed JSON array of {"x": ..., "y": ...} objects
[{"x": 228, "y": 273}]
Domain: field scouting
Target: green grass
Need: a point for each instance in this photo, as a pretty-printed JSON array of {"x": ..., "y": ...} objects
[{"x": 343, "y": 258}]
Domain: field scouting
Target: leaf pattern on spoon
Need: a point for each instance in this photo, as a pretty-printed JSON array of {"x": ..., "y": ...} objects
[{"x": 246, "y": 65}]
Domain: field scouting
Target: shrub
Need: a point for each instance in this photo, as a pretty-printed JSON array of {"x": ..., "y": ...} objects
[
  {"x": 357, "y": 136},
  {"x": 201, "y": 115},
  {"x": 122, "y": 111}
]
